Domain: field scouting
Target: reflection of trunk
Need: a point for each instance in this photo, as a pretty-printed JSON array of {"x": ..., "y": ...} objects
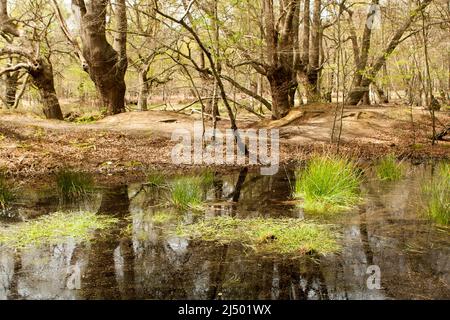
[
  {"x": 42, "y": 78},
  {"x": 237, "y": 190},
  {"x": 101, "y": 272},
  {"x": 11, "y": 84}
]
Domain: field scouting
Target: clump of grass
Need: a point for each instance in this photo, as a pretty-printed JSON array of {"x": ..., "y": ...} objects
[
  {"x": 437, "y": 193},
  {"x": 207, "y": 178},
  {"x": 186, "y": 192},
  {"x": 7, "y": 194},
  {"x": 328, "y": 184},
  {"x": 282, "y": 236},
  {"x": 73, "y": 185},
  {"x": 156, "y": 179},
  {"x": 388, "y": 169},
  {"x": 54, "y": 228}
]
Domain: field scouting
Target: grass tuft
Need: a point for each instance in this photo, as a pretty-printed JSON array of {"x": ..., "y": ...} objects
[
  {"x": 54, "y": 228},
  {"x": 388, "y": 169},
  {"x": 7, "y": 194},
  {"x": 329, "y": 184},
  {"x": 186, "y": 192},
  {"x": 437, "y": 194},
  {"x": 73, "y": 185},
  {"x": 282, "y": 236},
  {"x": 156, "y": 179}
]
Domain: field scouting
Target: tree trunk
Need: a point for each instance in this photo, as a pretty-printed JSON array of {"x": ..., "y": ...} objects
[
  {"x": 362, "y": 81},
  {"x": 283, "y": 92},
  {"x": 11, "y": 84},
  {"x": 106, "y": 65},
  {"x": 42, "y": 78},
  {"x": 143, "y": 90},
  {"x": 312, "y": 84}
]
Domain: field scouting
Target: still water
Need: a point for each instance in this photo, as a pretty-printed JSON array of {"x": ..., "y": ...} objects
[{"x": 142, "y": 259}]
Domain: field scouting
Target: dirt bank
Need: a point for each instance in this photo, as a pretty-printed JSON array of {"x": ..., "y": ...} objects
[{"x": 139, "y": 141}]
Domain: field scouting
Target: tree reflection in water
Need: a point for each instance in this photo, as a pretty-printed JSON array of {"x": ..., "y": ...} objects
[{"x": 151, "y": 262}]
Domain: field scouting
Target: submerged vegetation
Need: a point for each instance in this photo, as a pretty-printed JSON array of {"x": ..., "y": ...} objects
[
  {"x": 388, "y": 169},
  {"x": 328, "y": 184},
  {"x": 7, "y": 194},
  {"x": 161, "y": 217},
  {"x": 283, "y": 236},
  {"x": 73, "y": 185},
  {"x": 54, "y": 228},
  {"x": 437, "y": 194}
]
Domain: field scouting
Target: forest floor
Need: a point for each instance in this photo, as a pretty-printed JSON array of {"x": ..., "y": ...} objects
[{"x": 133, "y": 141}]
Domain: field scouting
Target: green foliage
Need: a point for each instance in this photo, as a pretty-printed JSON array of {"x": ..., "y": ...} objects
[
  {"x": 437, "y": 195},
  {"x": 161, "y": 217},
  {"x": 186, "y": 192},
  {"x": 7, "y": 194},
  {"x": 388, "y": 169},
  {"x": 328, "y": 184},
  {"x": 156, "y": 179},
  {"x": 88, "y": 118},
  {"x": 54, "y": 228},
  {"x": 72, "y": 185},
  {"x": 283, "y": 236}
]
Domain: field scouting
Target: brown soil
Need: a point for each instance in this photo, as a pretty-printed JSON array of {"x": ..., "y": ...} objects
[{"x": 139, "y": 141}]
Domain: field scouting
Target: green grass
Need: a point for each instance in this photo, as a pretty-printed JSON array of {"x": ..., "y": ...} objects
[
  {"x": 186, "y": 192},
  {"x": 7, "y": 194},
  {"x": 437, "y": 195},
  {"x": 161, "y": 217},
  {"x": 156, "y": 179},
  {"x": 282, "y": 236},
  {"x": 388, "y": 169},
  {"x": 207, "y": 178},
  {"x": 54, "y": 228},
  {"x": 329, "y": 184},
  {"x": 73, "y": 185}
]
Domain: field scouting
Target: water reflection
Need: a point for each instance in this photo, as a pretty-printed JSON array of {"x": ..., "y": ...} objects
[{"x": 150, "y": 261}]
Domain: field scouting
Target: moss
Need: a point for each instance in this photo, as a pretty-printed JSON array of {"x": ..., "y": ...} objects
[
  {"x": 54, "y": 228},
  {"x": 329, "y": 184},
  {"x": 436, "y": 194},
  {"x": 280, "y": 236},
  {"x": 388, "y": 169}
]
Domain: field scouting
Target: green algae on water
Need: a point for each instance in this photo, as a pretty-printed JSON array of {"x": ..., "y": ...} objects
[
  {"x": 54, "y": 228},
  {"x": 282, "y": 236}
]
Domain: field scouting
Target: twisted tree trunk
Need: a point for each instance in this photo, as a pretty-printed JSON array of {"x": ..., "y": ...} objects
[
  {"x": 106, "y": 65},
  {"x": 42, "y": 77}
]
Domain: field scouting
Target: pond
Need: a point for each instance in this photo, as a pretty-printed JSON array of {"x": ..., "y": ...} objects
[{"x": 141, "y": 257}]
